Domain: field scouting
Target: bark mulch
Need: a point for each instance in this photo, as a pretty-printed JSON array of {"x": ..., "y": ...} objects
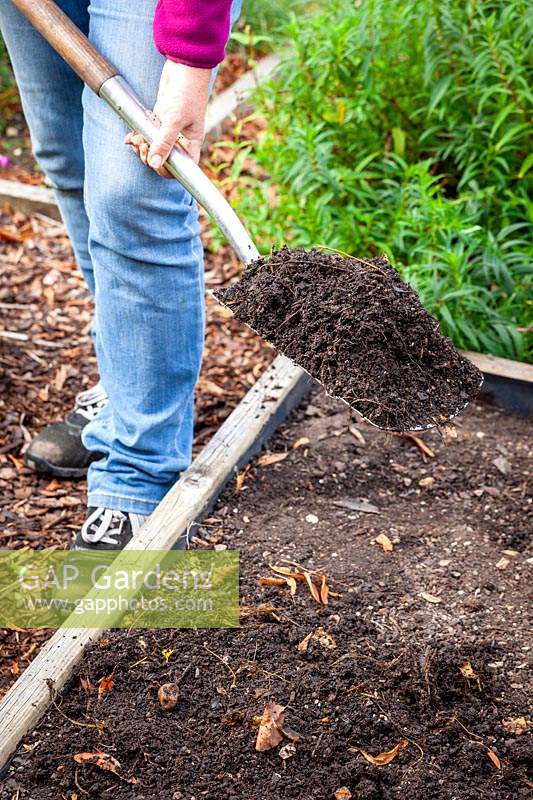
[
  {"x": 360, "y": 330},
  {"x": 410, "y": 681},
  {"x": 46, "y": 358}
]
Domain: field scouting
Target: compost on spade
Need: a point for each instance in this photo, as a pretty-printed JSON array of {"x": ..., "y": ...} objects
[{"x": 354, "y": 325}]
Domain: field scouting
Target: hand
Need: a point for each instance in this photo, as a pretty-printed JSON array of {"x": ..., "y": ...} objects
[{"x": 180, "y": 108}]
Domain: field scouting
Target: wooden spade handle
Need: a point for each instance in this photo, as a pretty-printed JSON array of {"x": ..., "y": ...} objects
[{"x": 68, "y": 40}]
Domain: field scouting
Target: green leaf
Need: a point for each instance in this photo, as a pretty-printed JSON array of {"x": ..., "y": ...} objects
[
  {"x": 398, "y": 140},
  {"x": 438, "y": 92},
  {"x": 526, "y": 165}
]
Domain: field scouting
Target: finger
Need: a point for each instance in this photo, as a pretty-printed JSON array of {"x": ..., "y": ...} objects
[
  {"x": 162, "y": 145},
  {"x": 143, "y": 153}
]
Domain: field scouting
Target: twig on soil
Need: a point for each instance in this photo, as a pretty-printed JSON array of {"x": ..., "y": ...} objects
[
  {"x": 212, "y": 652},
  {"x": 315, "y": 748},
  {"x": 73, "y": 721},
  {"x": 76, "y": 781},
  {"x": 348, "y": 255}
]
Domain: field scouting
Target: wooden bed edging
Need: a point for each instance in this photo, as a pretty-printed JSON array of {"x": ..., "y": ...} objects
[
  {"x": 240, "y": 437},
  {"x": 29, "y": 199},
  {"x": 508, "y": 384}
]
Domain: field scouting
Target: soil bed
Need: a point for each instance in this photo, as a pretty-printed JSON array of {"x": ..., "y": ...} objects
[
  {"x": 361, "y": 331},
  {"x": 424, "y": 644}
]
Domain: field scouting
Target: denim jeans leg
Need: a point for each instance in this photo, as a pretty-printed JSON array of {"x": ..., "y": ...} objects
[
  {"x": 51, "y": 98},
  {"x": 148, "y": 265}
]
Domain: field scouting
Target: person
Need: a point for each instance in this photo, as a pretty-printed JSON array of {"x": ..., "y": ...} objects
[{"x": 136, "y": 240}]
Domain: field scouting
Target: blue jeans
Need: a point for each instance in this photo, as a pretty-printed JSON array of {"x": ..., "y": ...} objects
[{"x": 136, "y": 240}]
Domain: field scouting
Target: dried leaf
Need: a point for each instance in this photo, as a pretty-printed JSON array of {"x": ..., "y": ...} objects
[
  {"x": 299, "y": 576},
  {"x": 420, "y": 444},
  {"x": 430, "y": 598},
  {"x": 104, "y": 761},
  {"x": 324, "y": 591},
  {"x": 291, "y": 583},
  {"x": 304, "y": 644},
  {"x": 268, "y": 581},
  {"x": 385, "y": 758},
  {"x": 15, "y": 669},
  {"x": 241, "y": 479},
  {"x": 302, "y": 442},
  {"x": 86, "y": 685},
  {"x": 357, "y": 434},
  {"x": 517, "y": 725},
  {"x": 60, "y": 377},
  {"x": 312, "y": 588},
  {"x": 270, "y": 728},
  {"x": 291, "y": 734},
  {"x": 271, "y": 458},
  {"x": 343, "y": 793},
  {"x": 494, "y": 758},
  {"x": 449, "y": 431},
  {"x": 385, "y": 542},
  {"x": 467, "y": 670},
  {"x": 105, "y": 685},
  {"x": 205, "y": 386},
  {"x": 13, "y": 237},
  {"x": 325, "y": 639},
  {"x": 425, "y": 483}
]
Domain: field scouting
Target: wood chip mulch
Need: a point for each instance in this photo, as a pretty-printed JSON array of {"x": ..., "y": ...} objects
[{"x": 46, "y": 358}]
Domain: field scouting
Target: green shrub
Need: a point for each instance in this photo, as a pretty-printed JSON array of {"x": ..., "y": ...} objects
[{"x": 404, "y": 127}]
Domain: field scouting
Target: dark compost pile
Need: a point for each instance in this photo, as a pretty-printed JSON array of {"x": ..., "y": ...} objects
[{"x": 360, "y": 330}]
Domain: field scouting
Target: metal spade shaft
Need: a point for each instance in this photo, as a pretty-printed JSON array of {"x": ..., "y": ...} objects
[{"x": 104, "y": 79}]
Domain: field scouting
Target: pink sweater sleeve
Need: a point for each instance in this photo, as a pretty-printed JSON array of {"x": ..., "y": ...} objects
[{"x": 192, "y": 32}]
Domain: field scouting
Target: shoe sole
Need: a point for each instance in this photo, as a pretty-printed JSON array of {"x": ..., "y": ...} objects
[{"x": 44, "y": 467}]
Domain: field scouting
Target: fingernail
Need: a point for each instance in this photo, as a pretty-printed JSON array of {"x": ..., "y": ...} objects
[{"x": 155, "y": 161}]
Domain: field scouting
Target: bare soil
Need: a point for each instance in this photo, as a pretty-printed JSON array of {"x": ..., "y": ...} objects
[
  {"x": 422, "y": 649},
  {"x": 355, "y": 326}
]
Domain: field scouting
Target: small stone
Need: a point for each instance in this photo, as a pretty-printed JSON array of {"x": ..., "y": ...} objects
[
  {"x": 502, "y": 465},
  {"x": 312, "y": 518},
  {"x": 502, "y": 563},
  {"x": 220, "y": 547}
]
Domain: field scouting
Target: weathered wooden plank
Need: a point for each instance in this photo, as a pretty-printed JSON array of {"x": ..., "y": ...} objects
[
  {"x": 236, "y": 97},
  {"x": 278, "y": 390},
  {"x": 502, "y": 367},
  {"x": 29, "y": 199},
  {"x": 508, "y": 384}
]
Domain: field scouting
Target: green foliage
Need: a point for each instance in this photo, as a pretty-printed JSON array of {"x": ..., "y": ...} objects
[{"x": 405, "y": 127}]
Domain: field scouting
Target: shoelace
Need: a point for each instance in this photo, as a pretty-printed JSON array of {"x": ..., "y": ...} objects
[
  {"x": 106, "y": 523},
  {"x": 91, "y": 401}
]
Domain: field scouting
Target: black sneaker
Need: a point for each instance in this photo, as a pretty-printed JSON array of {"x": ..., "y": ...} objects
[
  {"x": 58, "y": 449},
  {"x": 107, "y": 529}
]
